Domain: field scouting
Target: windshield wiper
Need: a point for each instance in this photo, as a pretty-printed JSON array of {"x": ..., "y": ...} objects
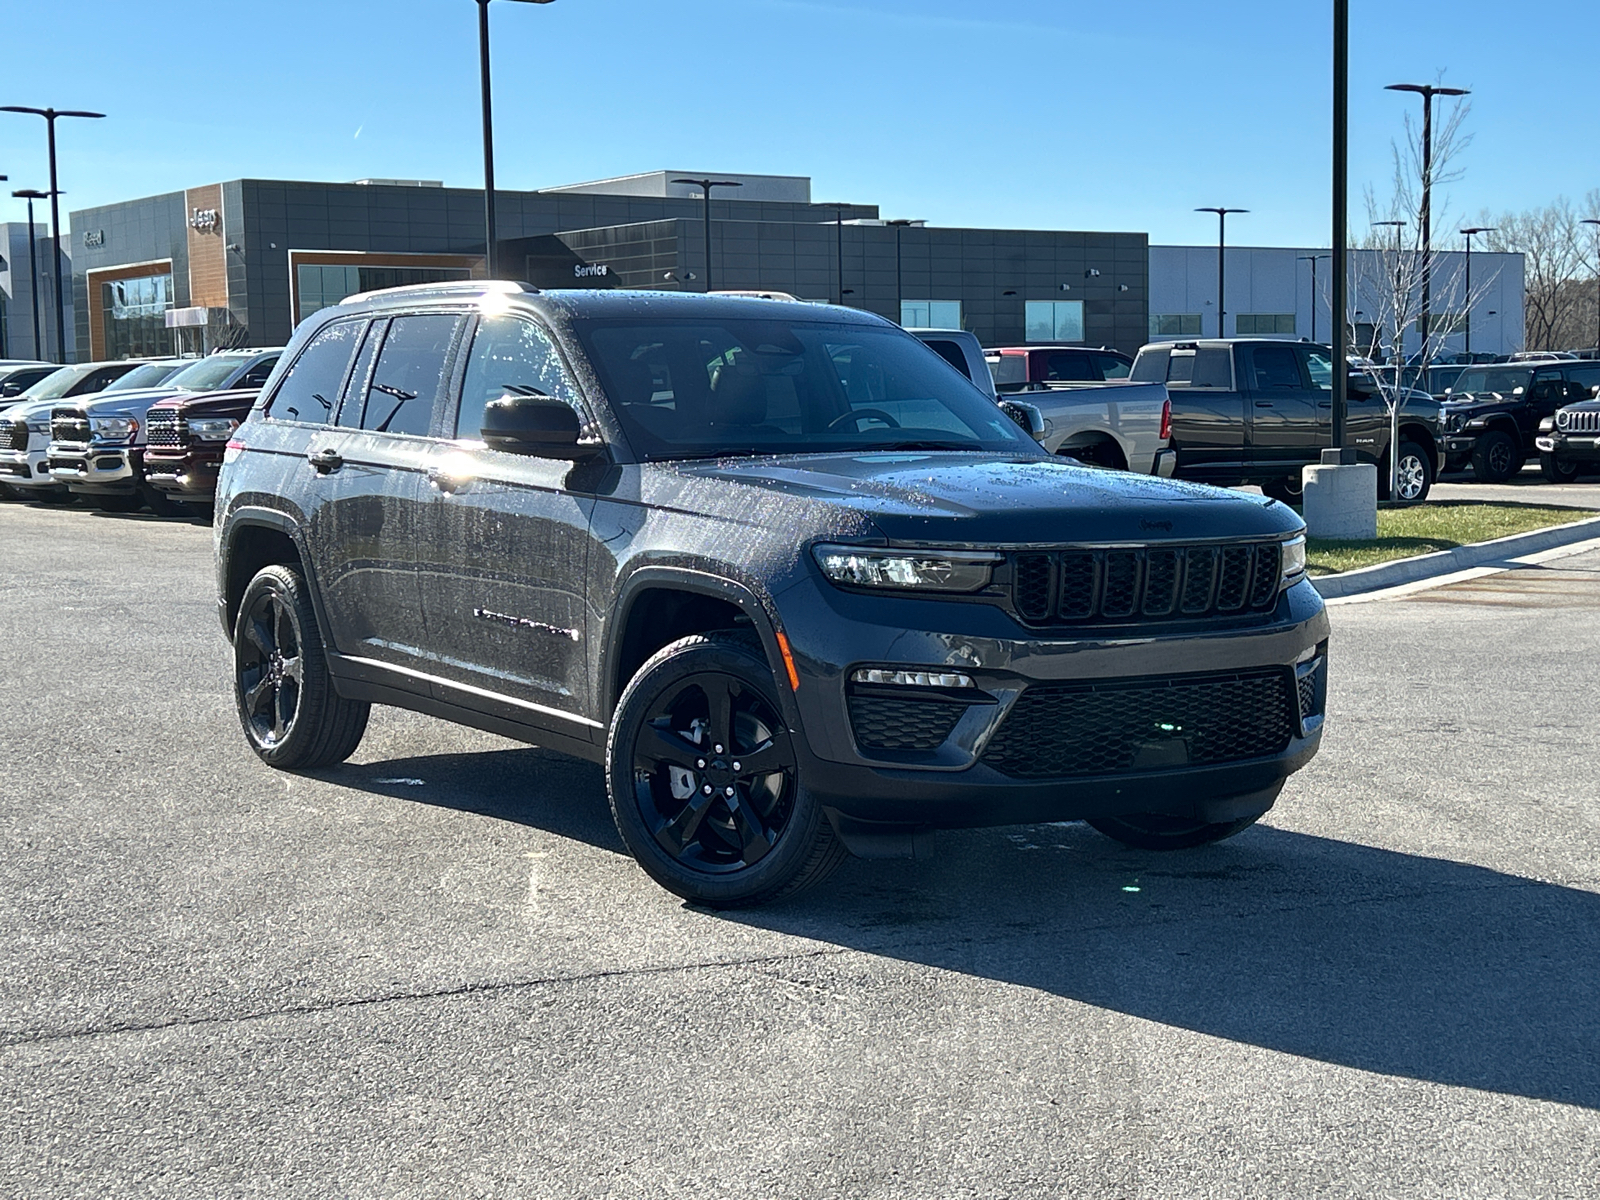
[{"x": 924, "y": 444}]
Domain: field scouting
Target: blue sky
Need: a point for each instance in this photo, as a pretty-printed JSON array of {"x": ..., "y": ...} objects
[{"x": 1005, "y": 113}]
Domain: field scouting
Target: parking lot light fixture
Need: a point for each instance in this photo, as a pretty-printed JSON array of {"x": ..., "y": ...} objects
[
  {"x": 30, "y": 195},
  {"x": 1467, "y": 233},
  {"x": 705, "y": 186},
  {"x": 899, "y": 224},
  {"x": 50, "y": 115},
  {"x": 1222, "y": 232},
  {"x": 1596, "y": 223},
  {"x": 1427, "y": 91},
  {"x": 1313, "y": 259},
  {"x": 491, "y": 257}
]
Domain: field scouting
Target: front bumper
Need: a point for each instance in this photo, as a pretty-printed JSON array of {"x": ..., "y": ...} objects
[
  {"x": 1567, "y": 448},
  {"x": 188, "y": 474},
  {"x": 1456, "y": 445},
  {"x": 95, "y": 470},
  {"x": 833, "y": 632},
  {"x": 26, "y": 469}
]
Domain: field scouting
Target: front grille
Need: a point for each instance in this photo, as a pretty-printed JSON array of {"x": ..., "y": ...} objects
[
  {"x": 14, "y": 435},
  {"x": 69, "y": 426},
  {"x": 1058, "y": 731},
  {"x": 1578, "y": 420},
  {"x": 1149, "y": 583},
  {"x": 165, "y": 429},
  {"x": 884, "y": 723}
]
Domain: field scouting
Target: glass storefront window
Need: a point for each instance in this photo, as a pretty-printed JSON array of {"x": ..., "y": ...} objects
[
  {"x": 323, "y": 285},
  {"x": 930, "y": 314},
  {"x": 1053, "y": 321},
  {"x": 1174, "y": 325},
  {"x": 1263, "y": 324},
  {"x": 135, "y": 316}
]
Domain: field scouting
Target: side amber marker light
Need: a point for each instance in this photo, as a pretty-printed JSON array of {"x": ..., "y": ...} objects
[{"x": 788, "y": 662}]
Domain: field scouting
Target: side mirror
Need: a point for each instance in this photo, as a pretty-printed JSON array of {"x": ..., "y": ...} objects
[
  {"x": 538, "y": 425},
  {"x": 1026, "y": 415}
]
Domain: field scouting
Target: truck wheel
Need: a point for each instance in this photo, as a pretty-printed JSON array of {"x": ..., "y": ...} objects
[
  {"x": 1556, "y": 471},
  {"x": 704, "y": 780},
  {"x": 291, "y": 715},
  {"x": 158, "y": 502},
  {"x": 119, "y": 504},
  {"x": 51, "y": 495},
  {"x": 1495, "y": 458},
  {"x": 1413, "y": 475},
  {"x": 1156, "y": 831},
  {"x": 1288, "y": 489}
]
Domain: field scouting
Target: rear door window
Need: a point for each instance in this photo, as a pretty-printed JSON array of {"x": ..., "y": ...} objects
[
  {"x": 1067, "y": 366},
  {"x": 310, "y": 391},
  {"x": 409, "y": 374},
  {"x": 1275, "y": 369}
]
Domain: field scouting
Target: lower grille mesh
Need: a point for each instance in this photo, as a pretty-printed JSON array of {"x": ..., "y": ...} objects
[
  {"x": 1060, "y": 731},
  {"x": 882, "y": 723}
]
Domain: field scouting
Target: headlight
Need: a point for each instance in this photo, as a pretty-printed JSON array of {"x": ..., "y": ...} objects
[
  {"x": 39, "y": 426},
  {"x": 113, "y": 429},
  {"x": 212, "y": 429},
  {"x": 1294, "y": 560},
  {"x": 909, "y": 570}
]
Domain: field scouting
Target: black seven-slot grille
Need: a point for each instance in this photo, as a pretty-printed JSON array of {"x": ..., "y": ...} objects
[
  {"x": 164, "y": 428},
  {"x": 68, "y": 426},
  {"x": 1059, "y": 731},
  {"x": 1146, "y": 583}
]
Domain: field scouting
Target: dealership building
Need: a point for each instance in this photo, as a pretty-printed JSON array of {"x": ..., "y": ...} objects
[{"x": 243, "y": 262}]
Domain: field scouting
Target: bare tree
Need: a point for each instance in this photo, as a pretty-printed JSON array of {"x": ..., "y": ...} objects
[{"x": 1560, "y": 255}]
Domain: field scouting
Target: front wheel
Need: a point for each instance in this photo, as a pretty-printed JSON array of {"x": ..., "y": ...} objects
[
  {"x": 1289, "y": 489},
  {"x": 1495, "y": 458},
  {"x": 1157, "y": 831},
  {"x": 159, "y": 502},
  {"x": 290, "y": 712},
  {"x": 1556, "y": 471},
  {"x": 704, "y": 780},
  {"x": 119, "y": 503}
]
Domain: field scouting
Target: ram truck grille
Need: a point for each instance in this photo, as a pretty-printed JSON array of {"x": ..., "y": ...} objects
[
  {"x": 69, "y": 427},
  {"x": 165, "y": 429},
  {"x": 14, "y": 435}
]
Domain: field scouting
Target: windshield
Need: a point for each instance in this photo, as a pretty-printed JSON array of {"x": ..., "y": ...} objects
[
  {"x": 707, "y": 388},
  {"x": 148, "y": 376},
  {"x": 54, "y": 385},
  {"x": 1492, "y": 379},
  {"x": 208, "y": 374}
]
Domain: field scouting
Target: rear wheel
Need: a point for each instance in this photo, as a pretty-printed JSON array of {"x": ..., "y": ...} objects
[
  {"x": 1556, "y": 471},
  {"x": 1413, "y": 475},
  {"x": 704, "y": 780},
  {"x": 1495, "y": 458},
  {"x": 1156, "y": 831},
  {"x": 287, "y": 705}
]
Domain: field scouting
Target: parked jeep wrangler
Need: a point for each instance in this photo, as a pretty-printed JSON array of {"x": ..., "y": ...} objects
[
  {"x": 1492, "y": 413},
  {"x": 800, "y": 587},
  {"x": 1569, "y": 442}
]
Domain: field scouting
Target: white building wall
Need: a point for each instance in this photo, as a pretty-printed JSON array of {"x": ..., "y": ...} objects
[{"x": 1276, "y": 279}]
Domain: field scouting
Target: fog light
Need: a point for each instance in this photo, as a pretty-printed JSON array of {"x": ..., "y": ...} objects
[{"x": 937, "y": 679}]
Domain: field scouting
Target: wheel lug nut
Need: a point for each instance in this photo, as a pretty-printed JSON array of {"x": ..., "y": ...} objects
[
  {"x": 727, "y": 791},
  {"x": 718, "y": 749},
  {"x": 706, "y": 789},
  {"x": 701, "y": 763},
  {"x": 736, "y": 765}
]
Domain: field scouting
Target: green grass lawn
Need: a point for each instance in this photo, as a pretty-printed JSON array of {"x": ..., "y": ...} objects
[{"x": 1406, "y": 530}]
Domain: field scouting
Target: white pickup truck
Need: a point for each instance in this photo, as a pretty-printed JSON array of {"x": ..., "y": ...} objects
[{"x": 1113, "y": 423}]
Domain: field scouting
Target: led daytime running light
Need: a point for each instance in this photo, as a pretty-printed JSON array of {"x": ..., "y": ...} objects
[{"x": 937, "y": 679}]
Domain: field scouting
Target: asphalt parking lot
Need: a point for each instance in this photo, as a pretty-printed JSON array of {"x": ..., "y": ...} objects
[{"x": 433, "y": 972}]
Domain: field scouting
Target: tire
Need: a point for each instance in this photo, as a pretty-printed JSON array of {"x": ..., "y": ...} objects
[
  {"x": 670, "y": 772},
  {"x": 1156, "y": 831},
  {"x": 1106, "y": 455},
  {"x": 1415, "y": 475},
  {"x": 158, "y": 502},
  {"x": 1495, "y": 458},
  {"x": 1556, "y": 471},
  {"x": 1287, "y": 489},
  {"x": 57, "y": 496},
  {"x": 291, "y": 715},
  {"x": 119, "y": 503}
]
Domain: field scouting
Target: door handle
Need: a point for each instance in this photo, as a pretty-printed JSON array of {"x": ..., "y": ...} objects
[
  {"x": 1324, "y": 403},
  {"x": 1263, "y": 403},
  {"x": 325, "y": 461}
]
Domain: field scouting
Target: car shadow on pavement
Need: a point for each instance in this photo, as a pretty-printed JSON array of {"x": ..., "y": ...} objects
[{"x": 1394, "y": 963}]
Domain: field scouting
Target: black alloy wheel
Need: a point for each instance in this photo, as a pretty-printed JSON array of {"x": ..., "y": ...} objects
[
  {"x": 1157, "y": 831},
  {"x": 291, "y": 714},
  {"x": 1495, "y": 458},
  {"x": 704, "y": 779},
  {"x": 1557, "y": 471}
]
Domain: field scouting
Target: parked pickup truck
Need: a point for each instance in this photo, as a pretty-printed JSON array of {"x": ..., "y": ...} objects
[
  {"x": 1255, "y": 410},
  {"x": 185, "y": 438},
  {"x": 1492, "y": 413},
  {"x": 1078, "y": 416},
  {"x": 1022, "y": 368}
]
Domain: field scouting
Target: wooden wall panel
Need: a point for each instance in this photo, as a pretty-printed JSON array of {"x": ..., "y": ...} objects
[{"x": 208, "y": 257}]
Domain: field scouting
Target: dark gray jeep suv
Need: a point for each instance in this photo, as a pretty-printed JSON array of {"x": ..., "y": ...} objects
[{"x": 788, "y": 575}]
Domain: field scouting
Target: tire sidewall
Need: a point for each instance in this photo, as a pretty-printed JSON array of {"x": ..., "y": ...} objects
[
  {"x": 1412, "y": 450},
  {"x": 290, "y": 750},
  {"x": 1482, "y": 464},
  {"x": 668, "y": 667}
]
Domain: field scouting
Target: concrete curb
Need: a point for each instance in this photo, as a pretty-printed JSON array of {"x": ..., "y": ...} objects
[{"x": 1444, "y": 562}]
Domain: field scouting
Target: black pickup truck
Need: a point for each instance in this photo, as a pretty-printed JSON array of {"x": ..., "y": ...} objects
[
  {"x": 1492, "y": 413},
  {"x": 1256, "y": 410}
]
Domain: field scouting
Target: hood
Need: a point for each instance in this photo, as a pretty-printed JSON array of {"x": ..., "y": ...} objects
[
  {"x": 993, "y": 499},
  {"x": 34, "y": 410},
  {"x": 134, "y": 401},
  {"x": 232, "y": 403}
]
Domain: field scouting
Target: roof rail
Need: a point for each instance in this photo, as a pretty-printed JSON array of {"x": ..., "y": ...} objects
[{"x": 446, "y": 287}]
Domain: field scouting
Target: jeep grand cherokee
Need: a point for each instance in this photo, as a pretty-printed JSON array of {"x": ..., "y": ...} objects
[{"x": 796, "y": 583}]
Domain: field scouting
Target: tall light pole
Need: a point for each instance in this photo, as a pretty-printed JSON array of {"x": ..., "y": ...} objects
[
  {"x": 1222, "y": 230},
  {"x": 1596, "y": 223},
  {"x": 838, "y": 243},
  {"x": 50, "y": 115},
  {"x": 1467, "y": 233},
  {"x": 30, "y": 195},
  {"x": 1399, "y": 334},
  {"x": 899, "y": 224},
  {"x": 1427, "y": 91},
  {"x": 1312, "y": 259},
  {"x": 491, "y": 237},
  {"x": 1341, "y": 212},
  {"x": 705, "y": 186}
]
